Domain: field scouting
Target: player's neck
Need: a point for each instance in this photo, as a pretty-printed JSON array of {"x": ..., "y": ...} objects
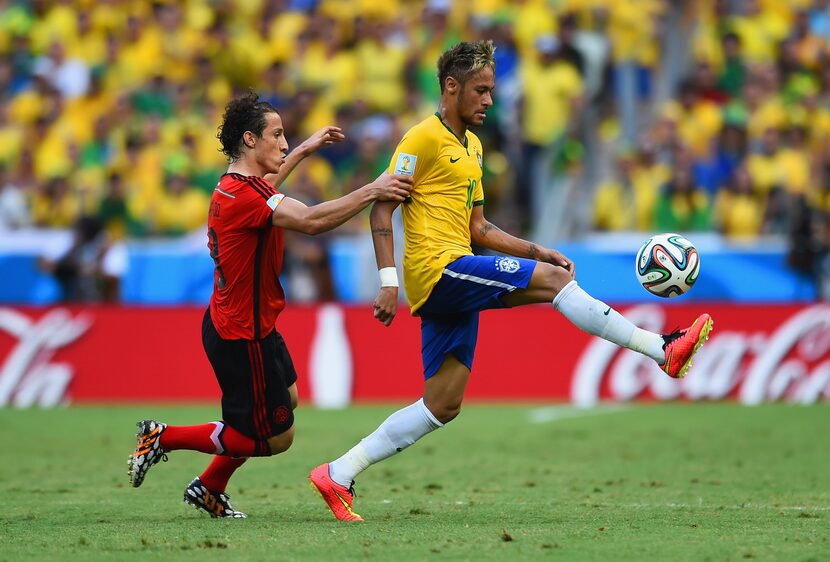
[
  {"x": 245, "y": 168},
  {"x": 453, "y": 122}
]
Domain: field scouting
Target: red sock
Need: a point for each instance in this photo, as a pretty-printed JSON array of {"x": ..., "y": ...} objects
[
  {"x": 216, "y": 475},
  {"x": 238, "y": 445},
  {"x": 214, "y": 438},
  {"x": 190, "y": 437}
]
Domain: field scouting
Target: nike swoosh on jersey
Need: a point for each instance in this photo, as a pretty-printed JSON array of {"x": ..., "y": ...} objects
[
  {"x": 607, "y": 311},
  {"x": 454, "y": 161}
]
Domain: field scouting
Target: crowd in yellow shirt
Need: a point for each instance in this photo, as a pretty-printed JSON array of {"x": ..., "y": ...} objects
[
  {"x": 110, "y": 108},
  {"x": 749, "y": 128}
]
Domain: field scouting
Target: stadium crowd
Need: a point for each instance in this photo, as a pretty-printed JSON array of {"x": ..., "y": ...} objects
[{"x": 109, "y": 109}]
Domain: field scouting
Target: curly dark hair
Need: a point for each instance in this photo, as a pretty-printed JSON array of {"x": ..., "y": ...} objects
[
  {"x": 242, "y": 114},
  {"x": 465, "y": 59}
]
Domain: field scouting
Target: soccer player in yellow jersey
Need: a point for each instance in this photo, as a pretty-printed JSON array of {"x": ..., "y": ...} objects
[{"x": 447, "y": 285}]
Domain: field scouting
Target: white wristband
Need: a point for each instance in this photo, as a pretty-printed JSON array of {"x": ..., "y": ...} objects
[{"x": 388, "y": 277}]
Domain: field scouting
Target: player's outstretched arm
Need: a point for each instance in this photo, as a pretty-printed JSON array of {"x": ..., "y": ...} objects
[
  {"x": 295, "y": 215},
  {"x": 484, "y": 233},
  {"x": 386, "y": 303},
  {"x": 323, "y": 137}
]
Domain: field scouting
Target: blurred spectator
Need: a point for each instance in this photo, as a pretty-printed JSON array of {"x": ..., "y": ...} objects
[
  {"x": 698, "y": 119},
  {"x": 806, "y": 240},
  {"x": 552, "y": 90},
  {"x": 178, "y": 208},
  {"x": 707, "y": 85},
  {"x": 79, "y": 271},
  {"x": 69, "y": 76},
  {"x": 54, "y": 205},
  {"x": 733, "y": 74},
  {"x": 14, "y": 211},
  {"x": 381, "y": 84},
  {"x": 648, "y": 176},
  {"x": 682, "y": 206},
  {"x": 728, "y": 152},
  {"x": 739, "y": 209},
  {"x": 615, "y": 203},
  {"x": 766, "y": 165}
]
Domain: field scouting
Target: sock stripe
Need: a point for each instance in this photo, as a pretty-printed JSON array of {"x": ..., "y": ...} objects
[
  {"x": 216, "y": 436},
  {"x": 266, "y": 426},
  {"x": 256, "y": 388},
  {"x": 261, "y": 404}
]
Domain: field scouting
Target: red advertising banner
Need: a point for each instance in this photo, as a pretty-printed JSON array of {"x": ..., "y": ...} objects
[{"x": 91, "y": 354}]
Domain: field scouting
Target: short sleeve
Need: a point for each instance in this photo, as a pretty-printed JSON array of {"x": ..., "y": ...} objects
[
  {"x": 478, "y": 190},
  {"x": 254, "y": 206},
  {"x": 413, "y": 156},
  {"x": 478, "y": 195}
]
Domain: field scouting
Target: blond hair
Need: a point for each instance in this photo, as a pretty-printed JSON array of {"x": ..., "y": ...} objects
[{"x": 465, "y": 59}]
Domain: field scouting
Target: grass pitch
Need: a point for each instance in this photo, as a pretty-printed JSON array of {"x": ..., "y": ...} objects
[{"x": 648, "y": 482}]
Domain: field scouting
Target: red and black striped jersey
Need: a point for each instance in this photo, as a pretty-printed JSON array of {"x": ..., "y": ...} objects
[{"x": 247, "y": 252}]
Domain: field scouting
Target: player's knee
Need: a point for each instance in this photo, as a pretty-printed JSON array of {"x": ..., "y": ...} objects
[
  {"x": 445, "y": 413},
  {"x": 282, "y": 442},
  {"x": 553, "y": 278}
]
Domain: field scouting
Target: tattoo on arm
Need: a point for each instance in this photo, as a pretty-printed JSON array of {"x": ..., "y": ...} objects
[
  {"x": 382, "y": 231},
  {"x": 487, "y": 228},
  {"x": 533, "y": 252}
]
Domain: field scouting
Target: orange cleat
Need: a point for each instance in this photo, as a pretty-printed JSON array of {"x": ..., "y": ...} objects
[
  {"x": 148, "y": 450},
  {"x": 681, "y": 345},
  {"x": 339, "y": 498}
]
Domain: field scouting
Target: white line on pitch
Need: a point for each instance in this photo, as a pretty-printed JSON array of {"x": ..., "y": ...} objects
[
  {"x": 700, "y": 505},
  {"x": 556, "y": 413},
  {"x": 747, "y": 505}
]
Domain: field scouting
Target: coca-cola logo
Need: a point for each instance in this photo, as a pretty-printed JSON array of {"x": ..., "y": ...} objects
[
  {"x": 791, "y": 363},
  {"x": 27, "y": 375}
]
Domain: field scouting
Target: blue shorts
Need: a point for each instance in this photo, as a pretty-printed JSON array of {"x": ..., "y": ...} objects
[{"x": 449, "y": 317}]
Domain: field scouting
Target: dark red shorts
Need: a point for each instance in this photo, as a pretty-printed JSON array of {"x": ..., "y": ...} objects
[{"x": 254, "y": 376}]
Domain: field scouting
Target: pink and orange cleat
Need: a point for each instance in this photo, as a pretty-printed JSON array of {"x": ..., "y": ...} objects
[
  {"x": 339, "y": 498},
  {"x": 681, "y": 345}
]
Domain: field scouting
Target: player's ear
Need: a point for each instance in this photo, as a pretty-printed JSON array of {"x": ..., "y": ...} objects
[
  {"x": 451, "y": 85},
  {"x": 249, "y": 139}
]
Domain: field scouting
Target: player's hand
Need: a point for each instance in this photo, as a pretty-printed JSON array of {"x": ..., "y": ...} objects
[
  {"x": 391, "y": 188},
  {"x": 556, "y": 257},
  {"x": 386, "y": 305},
  {"x": 323, "y": 137}
]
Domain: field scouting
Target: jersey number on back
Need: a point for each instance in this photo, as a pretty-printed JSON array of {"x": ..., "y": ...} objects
[{"x": 214, "y": 253}]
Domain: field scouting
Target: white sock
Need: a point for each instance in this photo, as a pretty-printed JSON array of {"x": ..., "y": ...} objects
[
  {"x": 396, "y": 433},
  {"x": 599, "y": 319}
]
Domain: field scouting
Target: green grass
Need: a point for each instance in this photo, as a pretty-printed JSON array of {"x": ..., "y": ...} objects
[{"x": 663, "y": 482}]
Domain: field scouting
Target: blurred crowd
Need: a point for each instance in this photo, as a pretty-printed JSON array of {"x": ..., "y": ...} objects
[
  {"x": 109, "y": 109},
  {"x": 743, "y": 147}
]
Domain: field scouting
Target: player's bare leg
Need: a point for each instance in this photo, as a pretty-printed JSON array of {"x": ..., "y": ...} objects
[
  {"x": 673, "y": 352},
  {"x": 444, "y": 391}
]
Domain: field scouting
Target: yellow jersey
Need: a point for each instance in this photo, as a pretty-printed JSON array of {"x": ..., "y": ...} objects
[{"x": 436, "y": 216}]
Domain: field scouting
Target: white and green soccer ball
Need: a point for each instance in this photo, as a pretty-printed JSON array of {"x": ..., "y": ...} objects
[{"x": 667, "y": 265}]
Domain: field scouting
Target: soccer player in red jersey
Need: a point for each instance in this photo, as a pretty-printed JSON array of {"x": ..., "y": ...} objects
[{"x": 247, "y": 217}]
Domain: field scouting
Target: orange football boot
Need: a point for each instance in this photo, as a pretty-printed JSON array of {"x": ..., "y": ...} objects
[
  {"x": 339, "y": 498},
  {"x": 681, "y": 345}
]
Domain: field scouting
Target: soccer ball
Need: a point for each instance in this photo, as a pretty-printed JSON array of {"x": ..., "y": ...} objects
[{"x": 667, "y": 265}]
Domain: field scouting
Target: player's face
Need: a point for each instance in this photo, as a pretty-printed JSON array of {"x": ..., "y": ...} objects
[
  {"x": 476, "y": 97},
  {"x": 272, "y": 147}
]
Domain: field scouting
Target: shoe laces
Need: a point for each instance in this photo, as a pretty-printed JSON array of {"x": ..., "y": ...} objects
[
  {"x": 672, "y": 336},
  {"x": 351, "y": 490}
]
